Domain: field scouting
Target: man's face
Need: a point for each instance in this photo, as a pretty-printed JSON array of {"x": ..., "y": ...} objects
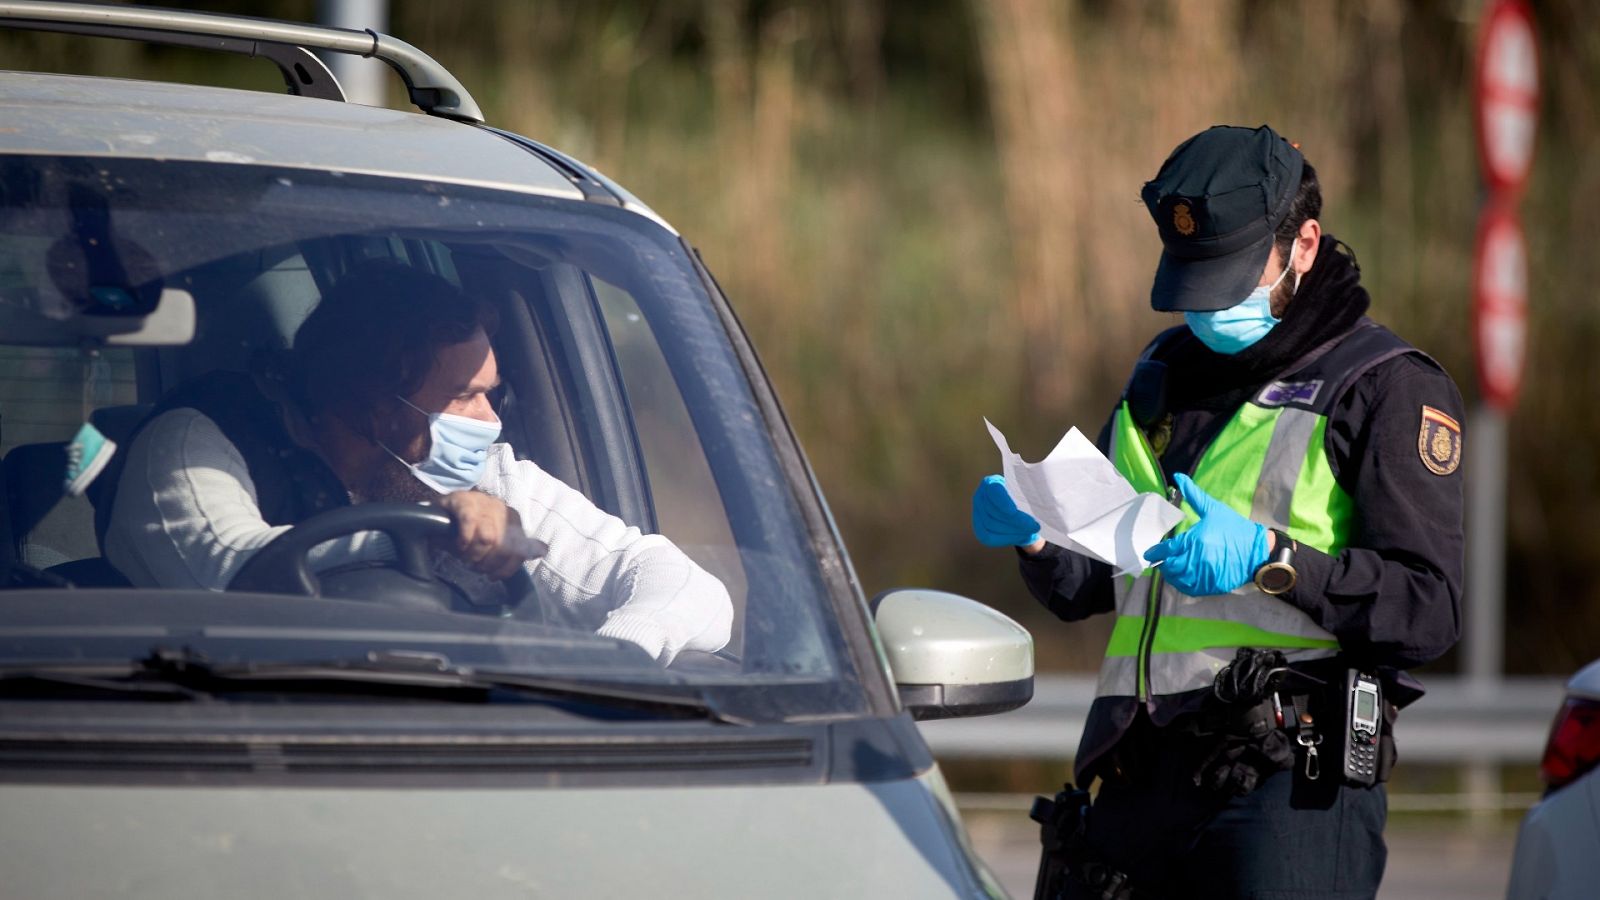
[{"x": 459, "y": 383}]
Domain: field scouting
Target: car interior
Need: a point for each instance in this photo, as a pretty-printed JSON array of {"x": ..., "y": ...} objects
[{"x": 569, "y": 366}]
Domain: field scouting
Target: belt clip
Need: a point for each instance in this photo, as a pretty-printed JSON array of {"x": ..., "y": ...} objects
[{"x": 1310, "y": 739}]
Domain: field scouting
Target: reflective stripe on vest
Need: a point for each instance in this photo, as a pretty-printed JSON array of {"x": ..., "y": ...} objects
[{"x": 1269, "y": 465}]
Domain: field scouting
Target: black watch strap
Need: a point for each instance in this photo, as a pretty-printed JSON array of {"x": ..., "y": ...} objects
[
  {"x": 1282, "y": 543},
  {"x": 1277, "y": 575}
]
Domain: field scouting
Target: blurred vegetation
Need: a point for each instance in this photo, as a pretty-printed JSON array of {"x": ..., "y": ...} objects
[{"x": 926, "y": 212}]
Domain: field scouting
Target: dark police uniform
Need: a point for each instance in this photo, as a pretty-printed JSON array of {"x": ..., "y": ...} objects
[{"x": 1378, "y": 559}]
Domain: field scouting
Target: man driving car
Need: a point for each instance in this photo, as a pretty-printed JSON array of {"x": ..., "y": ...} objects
[{"x": 387, "y": 399}]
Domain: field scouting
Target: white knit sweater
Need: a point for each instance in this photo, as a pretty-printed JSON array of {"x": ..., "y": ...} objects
[{"x": 186, "y": 515}]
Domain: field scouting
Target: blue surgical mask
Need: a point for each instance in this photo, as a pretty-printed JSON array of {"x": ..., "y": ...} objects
[
  {"x": 458, "y": 451},
  {"x": 1228, "y": 331}
]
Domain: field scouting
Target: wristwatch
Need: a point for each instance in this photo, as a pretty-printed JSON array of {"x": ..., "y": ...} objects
[{"x": 1276, "y": 576}]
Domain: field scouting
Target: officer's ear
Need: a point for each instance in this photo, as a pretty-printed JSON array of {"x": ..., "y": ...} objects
[{"x": 1307, "y": 243}]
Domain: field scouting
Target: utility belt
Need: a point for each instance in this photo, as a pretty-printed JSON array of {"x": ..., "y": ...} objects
[
  {"x": 1264, "y": 717},
  {"x": 1301, "y": 722},
  {"x": 1261, "y": 718}
]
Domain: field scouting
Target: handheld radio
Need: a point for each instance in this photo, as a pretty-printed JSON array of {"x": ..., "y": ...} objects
[{"x": 1363, "y": 715}]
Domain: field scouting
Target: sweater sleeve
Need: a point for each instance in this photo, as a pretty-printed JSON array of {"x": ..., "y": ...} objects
[
  {"x": 187, "y": 516},
  {"x": 1069, "y": 584},
  {"x": 638, "y": 587},
  {"x": 1393, "y": 597}
]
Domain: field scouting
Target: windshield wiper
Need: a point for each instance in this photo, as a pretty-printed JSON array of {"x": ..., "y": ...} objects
[
  {"x": 191, "y": 672},
  {"x": 45, "y": 684}
]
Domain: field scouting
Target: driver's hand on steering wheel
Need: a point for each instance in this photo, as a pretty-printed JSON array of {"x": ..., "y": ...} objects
[{"x": 488, "y": 535}]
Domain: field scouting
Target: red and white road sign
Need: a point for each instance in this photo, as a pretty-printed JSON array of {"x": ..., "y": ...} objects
[
  {"x": 1500, "y": 305},
  {"x": 1507, "y": 83}
]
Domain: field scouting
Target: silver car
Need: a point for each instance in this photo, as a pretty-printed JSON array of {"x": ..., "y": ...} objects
[
  {"x": 318, "y": 734},
  {"x": 1558, "y": 846}
]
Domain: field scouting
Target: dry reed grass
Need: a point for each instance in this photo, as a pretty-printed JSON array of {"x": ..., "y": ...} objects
[{"x": 907, "y": 269}]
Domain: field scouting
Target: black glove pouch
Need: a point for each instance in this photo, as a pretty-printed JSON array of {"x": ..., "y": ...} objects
[
  {"x": 1247, "y": 749},
  {"x": 1240, "y": 724}
]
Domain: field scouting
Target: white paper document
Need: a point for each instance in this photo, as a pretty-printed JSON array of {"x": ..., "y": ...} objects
[{"x": 1083, "y": 503}]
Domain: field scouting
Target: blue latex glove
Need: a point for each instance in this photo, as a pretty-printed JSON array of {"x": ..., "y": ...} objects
[
  {"x": 1221, "y": 552},
  {"x": 995, "y": 518}
]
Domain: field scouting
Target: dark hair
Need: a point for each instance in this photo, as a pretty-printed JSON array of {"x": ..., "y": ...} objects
[
  {"x": 375, "y": 334},
  {"x": 1307, "y": 204}
]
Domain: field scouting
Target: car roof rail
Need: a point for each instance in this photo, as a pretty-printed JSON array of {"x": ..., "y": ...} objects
[{"x": 430, "y": 85}]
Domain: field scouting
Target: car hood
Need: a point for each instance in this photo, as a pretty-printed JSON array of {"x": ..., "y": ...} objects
[{"x": 840, "y": 840}]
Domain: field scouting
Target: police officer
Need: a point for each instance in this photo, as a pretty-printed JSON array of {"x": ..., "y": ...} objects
[{"x": 1316, "y": 455}]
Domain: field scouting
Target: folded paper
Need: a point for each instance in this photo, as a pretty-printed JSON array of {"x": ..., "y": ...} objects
[{"x": 1084, "y": 504}]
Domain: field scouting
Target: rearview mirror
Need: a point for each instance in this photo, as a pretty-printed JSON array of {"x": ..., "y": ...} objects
[
  {"x": 951, "y": 656},
  {"x": 170, "y": 324}
]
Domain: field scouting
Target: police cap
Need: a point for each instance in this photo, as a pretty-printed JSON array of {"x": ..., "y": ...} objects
[{"x": 1217, "y": 201}]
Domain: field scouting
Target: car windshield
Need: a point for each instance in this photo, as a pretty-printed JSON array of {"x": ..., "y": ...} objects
[{"x": 670, "y": 544}]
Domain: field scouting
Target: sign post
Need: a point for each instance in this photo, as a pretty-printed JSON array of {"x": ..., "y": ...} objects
[
  {"x": 361, "y": 79},
  {"x": 1507, "y": 92},
  {"x": 1500, "y": 302}
]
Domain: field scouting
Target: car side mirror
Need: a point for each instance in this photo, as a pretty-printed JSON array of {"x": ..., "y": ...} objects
[{"x": 951, "y": 656}]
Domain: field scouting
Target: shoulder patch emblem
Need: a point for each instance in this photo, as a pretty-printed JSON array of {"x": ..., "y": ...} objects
[
  {"x": 1439, "y": 442},
  {"x": 1182, "y": 219}
]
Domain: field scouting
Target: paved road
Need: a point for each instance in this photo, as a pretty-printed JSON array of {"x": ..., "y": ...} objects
[{"x": 1426, "y": 862}]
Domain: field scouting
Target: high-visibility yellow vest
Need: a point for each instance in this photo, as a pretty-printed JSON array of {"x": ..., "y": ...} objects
[{"x": 1269, "y": 464}]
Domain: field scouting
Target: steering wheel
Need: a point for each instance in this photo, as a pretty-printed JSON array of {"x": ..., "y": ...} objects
[{"x": 408, "y": 580}]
